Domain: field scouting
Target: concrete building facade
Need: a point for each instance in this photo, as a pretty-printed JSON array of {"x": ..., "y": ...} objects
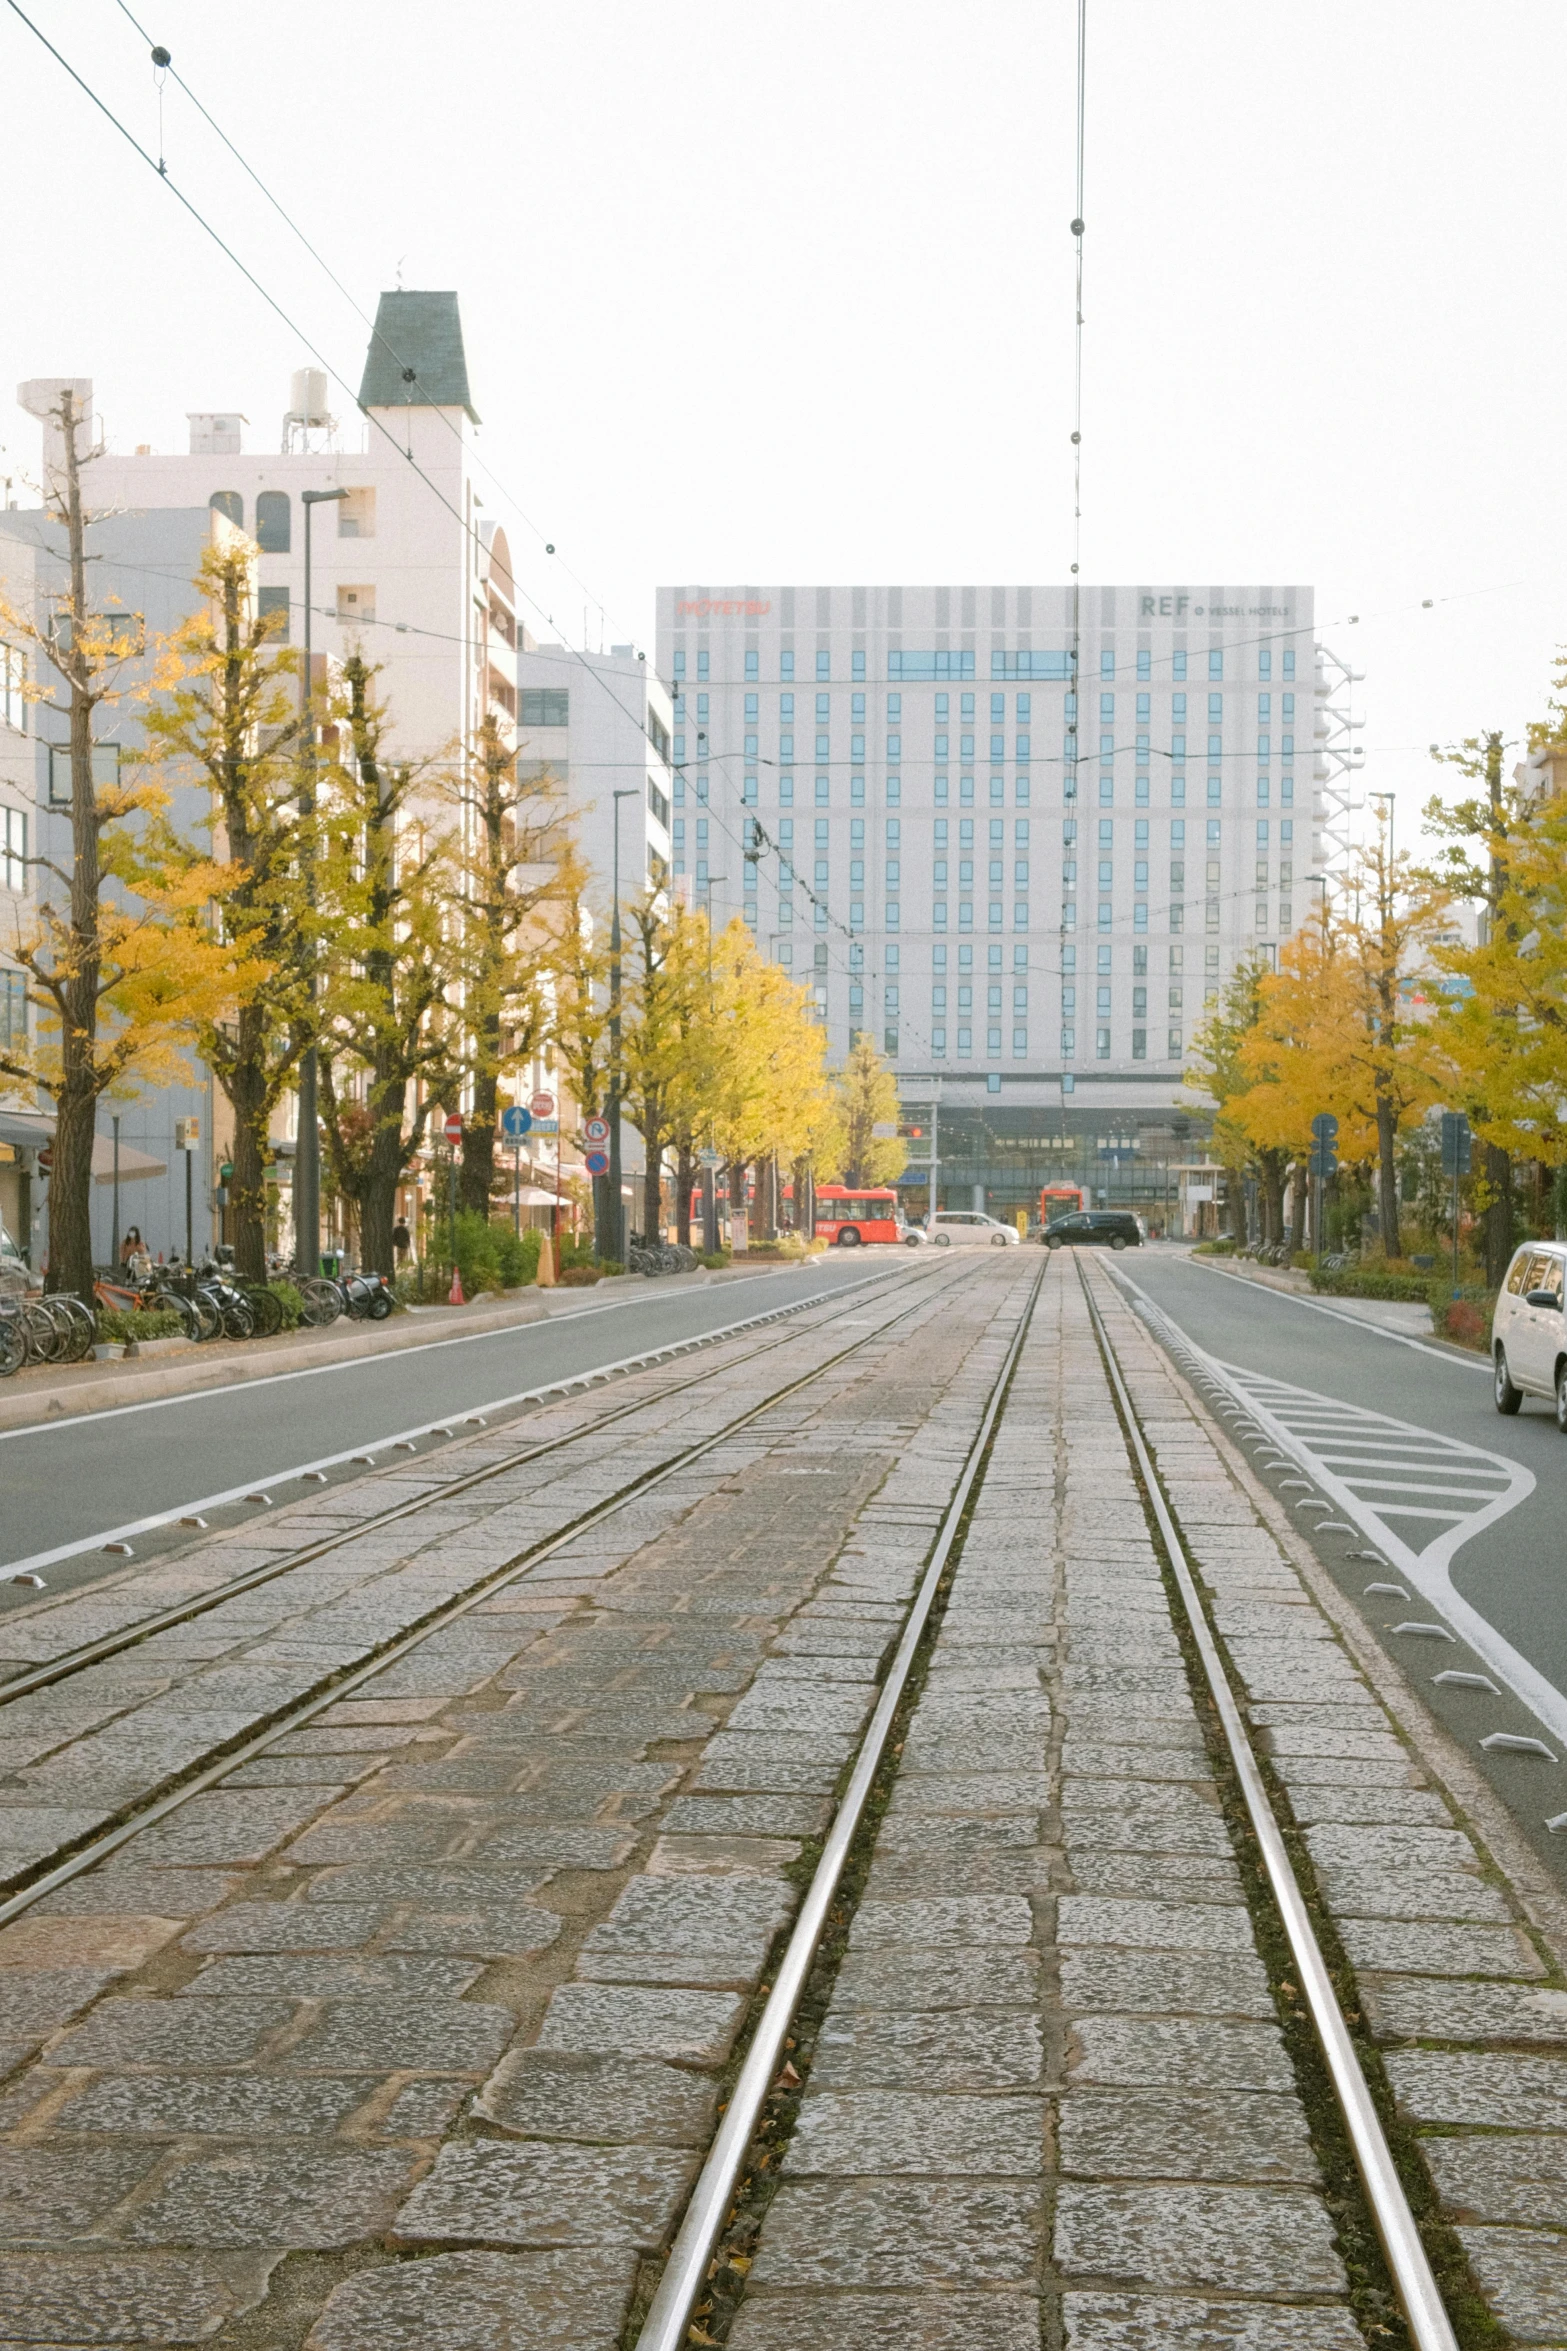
[{"x": 1020, "y": 835}]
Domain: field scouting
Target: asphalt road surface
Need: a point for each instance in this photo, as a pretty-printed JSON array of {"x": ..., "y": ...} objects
[
  {"x": 1467, "y": 1510},
  {"x": 69, "y": 1486}
]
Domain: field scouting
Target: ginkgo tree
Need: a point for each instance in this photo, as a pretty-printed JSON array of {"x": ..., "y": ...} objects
[{"x": 118, "y": 960}]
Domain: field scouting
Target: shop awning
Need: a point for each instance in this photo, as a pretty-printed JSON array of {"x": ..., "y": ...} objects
[{"x": 30, "y": 1130}]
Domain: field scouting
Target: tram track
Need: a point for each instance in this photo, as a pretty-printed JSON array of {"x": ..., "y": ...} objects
[
  {"x": 1399, "y": 2233},
  {"x": 22, "y": 1888},
  {"x": 763, "y": 2107},
  {"x": 130, "y": 1636}
]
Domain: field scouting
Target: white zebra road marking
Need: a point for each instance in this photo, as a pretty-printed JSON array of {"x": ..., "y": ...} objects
[{"x": 1417, "y": 1495}]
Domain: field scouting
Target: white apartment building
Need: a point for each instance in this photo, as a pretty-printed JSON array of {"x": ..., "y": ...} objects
[
  {"x": 1018, "y": 834},
  {"x": 602, "y": 724},
  {"x": 406, "y": 567}
]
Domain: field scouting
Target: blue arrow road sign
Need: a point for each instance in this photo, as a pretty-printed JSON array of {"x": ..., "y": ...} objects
[{"x": 515, "y": 1123}]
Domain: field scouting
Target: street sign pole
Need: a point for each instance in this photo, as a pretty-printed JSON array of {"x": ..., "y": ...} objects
[{"x": 516, "y": 1189}]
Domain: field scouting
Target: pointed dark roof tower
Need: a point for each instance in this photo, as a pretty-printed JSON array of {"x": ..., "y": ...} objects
[{"x": 416, "y": 357}]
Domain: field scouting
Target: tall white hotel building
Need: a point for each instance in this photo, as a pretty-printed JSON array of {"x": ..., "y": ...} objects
[{"x": 1021, "y": 846}]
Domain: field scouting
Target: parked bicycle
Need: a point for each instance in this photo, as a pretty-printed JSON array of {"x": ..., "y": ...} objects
[{"x": 651, "y": 1257}]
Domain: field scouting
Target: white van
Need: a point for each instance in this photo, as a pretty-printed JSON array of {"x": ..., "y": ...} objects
[
  {"x": 1529, "y": 1330},
  {"x": 966, "y": 1228}
]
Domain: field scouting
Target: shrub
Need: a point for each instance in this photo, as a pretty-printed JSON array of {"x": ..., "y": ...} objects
[
  {"x": 1217, "y": 1249},
  {"x": 1367, "y": 1282},
  {"x": 118, "y": 1329},
  {"x": 578, "y": 1277},
  {"x": 1466, "y": 1319},
  {"x": 714, "y": 1261},
  {"x": 518, "y": 1254},
  {"x": 478, "y": 1252},
  {"x": 291, "y": 1302}
]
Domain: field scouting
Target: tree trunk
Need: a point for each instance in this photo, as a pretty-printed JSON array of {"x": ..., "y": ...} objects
[
  {"x": 248, "y": 1204},
  {"x": 244, "y": 1081},
  {"x": 1272, "y": 1164},
  {"x": 1299, "y": 1186},
  {"x": 1499, "y": 1215},
  {"x": 76, "y": 1104},
  {"x": 477, "y": 1172},
  {"x": 685, "y": 1184},
  {"x": 739, "y": 1209},
  {"x": 1387, "y": 1176},
  {"x": 653, "y": 1184},
  {"x": 378, "y": 1202},
  {"x": 802, "y": 1194}
]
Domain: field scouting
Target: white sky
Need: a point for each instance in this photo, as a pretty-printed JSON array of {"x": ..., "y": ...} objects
[{"x": 784, "y": 292}]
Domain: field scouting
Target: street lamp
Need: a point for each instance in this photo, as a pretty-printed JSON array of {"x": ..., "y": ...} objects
[
  {"x": 307, "y": 1149},
  {"x": 617, "y": 1219},
  {"x": 709, "y": 1178}
]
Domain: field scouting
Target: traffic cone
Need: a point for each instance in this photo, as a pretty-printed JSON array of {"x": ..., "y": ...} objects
[{"x": 454, "y": 1296}]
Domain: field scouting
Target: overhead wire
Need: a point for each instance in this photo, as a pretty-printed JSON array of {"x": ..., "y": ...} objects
[{"x": 463, "y": 523}]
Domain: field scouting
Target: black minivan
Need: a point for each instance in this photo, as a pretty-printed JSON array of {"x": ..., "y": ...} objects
[{"x": 1115, "y": 1228}]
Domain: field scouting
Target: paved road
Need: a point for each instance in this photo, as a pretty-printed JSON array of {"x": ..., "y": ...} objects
[
  {"x": 1468, "y": 1509},
  {"x": 79, "y": 1482}
]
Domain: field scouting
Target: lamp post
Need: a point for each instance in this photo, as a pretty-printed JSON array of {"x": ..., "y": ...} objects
[
  {"x": 617, "y": 1216},
  {"x": 709, "y": 1175},
  {"x": 307, "y": 1150}
]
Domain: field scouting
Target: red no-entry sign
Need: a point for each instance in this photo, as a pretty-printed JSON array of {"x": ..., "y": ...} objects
[{"x": 453, "y": 1129}]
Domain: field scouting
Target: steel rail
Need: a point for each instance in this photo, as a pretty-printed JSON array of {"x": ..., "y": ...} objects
[
  {"x": 73, "y": 1661},
  {"x": 685, "y": 2274},
  {"x": 1413, "y": 2279},
  {"x": 104, "y": 1843}
]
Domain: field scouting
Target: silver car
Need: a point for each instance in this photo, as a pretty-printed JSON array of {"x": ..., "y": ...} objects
[
  {"x": 966, "y": 1228},
  {"x": 1529, "y": 1330}
]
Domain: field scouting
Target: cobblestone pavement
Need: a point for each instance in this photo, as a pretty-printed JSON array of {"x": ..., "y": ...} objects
[
  {"x": 1468, "y": 2003},
  {"x": 413, "y": 2033},
  {"x": 1051, "y": 2092},
  {"x": 450, "y": 1971}
]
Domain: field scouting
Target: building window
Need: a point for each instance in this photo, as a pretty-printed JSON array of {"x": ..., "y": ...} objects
[
  {"x": 701, "y": 667},
  {"x": 824, "y": 665},
  {"x": 272, "y": 607},
  {"x": 230, "y": 505},
  {"x": 1173, "y": 1047},
  {"x": 1139, "y": 1044},
  {"x": 1107, "y": 665},
  {"x": 680, "y": 665},
  {"x": 752, "y": 666},
  {"x": 13, "y": 678},
  {"x": 356, "y": 515},
  {"x": 274, "y": 511},
  {"x": 1102, "y": 1044},
  {"x": 13, "y": 849},
  {"x": 546, "y": 706},
  {"x": 1019, "y": 1044},
  {"x": 13, "y": 1010},
  {"x": 356, "y": 605}
]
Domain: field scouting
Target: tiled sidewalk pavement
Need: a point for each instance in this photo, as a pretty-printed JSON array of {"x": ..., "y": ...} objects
[
  {"x": 1050, "y": 2090},
  {"x": 72, "y": 1755},
  {"x": 1473, "y": 2021},
  {"x": 477, "y": 1876}
]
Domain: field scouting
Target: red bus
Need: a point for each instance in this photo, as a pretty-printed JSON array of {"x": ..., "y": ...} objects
[
  {"x": 1059, "y": 1200},
  {"x": 848, "y": 1218}
]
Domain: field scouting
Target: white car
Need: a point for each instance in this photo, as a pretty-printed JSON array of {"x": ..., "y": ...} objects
[
  {"x": 966, "y": 1228},
  {"x": 1529, "y": 1330}
]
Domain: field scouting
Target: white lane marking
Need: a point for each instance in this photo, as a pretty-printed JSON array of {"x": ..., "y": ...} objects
[
  {"x": 1292, "y": 1416},
  {"x": 558, "y": 1387},
  {"x": 1356, "y": 1322},
  {"x": 316, "y": 1371}
]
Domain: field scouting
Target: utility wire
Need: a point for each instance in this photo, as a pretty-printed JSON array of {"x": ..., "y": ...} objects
[{"x": 164, "y": 65}]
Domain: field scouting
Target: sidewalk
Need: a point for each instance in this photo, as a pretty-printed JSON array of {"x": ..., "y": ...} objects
[
  {"x": 53, "y": 1391},
  {"x": 1389, "y": 1314}
]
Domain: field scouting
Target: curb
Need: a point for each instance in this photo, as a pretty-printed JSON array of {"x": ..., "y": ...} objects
[{"x": 240, "y": 1361}]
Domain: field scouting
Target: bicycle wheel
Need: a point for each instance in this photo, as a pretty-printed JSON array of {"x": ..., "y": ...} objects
[
  {"x": 81, "y": 1329},
  {"x": 323, "y": 1300},
  {"x": 238, "y": 1321},
  {"x": 267, "y": 1308},
  {"x": 209, "y": 1318},
  {"x": 13, "y": 1346},
  {"x": 42, "y": 1334},
  {"x": 190, "y": 1320}
]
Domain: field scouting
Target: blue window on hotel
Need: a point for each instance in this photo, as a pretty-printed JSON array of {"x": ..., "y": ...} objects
[
  {"x": 1216, "y": 665},
  {"x": 786, "y": 665},
  {"x": 824, "y": 665},
  {"x": 1107, "y": 665},
  {"x": 752, "y": 665}
]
